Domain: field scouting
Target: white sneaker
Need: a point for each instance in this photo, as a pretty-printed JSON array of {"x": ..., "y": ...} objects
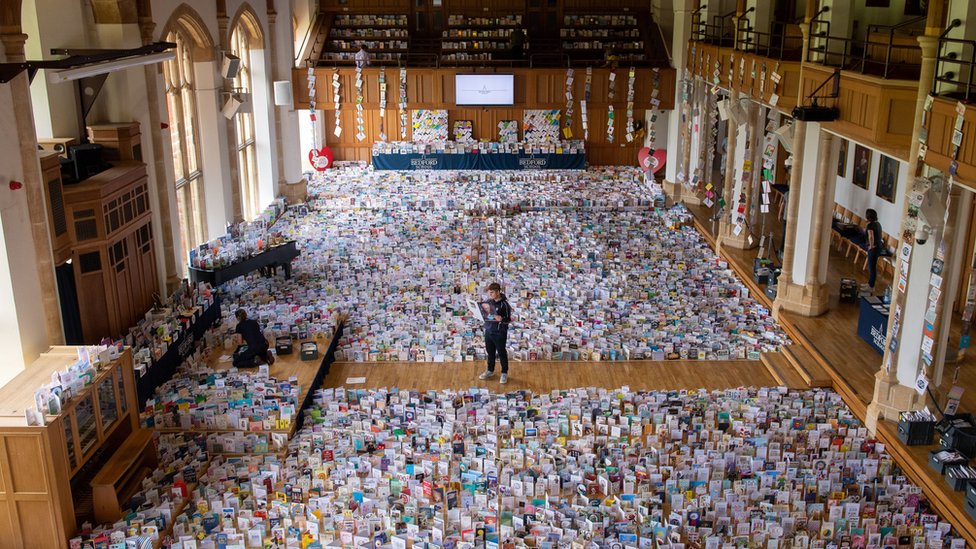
[
  {"x": 486, "y": 375},
  {"x": 504, "y": 379}
]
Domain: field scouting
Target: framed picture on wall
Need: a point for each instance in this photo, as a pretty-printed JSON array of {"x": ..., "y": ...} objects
[
  {"x": 842, "y": 159},
  {"x": 878, "y": 3},
  {"x": 887, "y": 178},
  {"x": 862, "y": 166},
  {"x": 915, "y": 7}
]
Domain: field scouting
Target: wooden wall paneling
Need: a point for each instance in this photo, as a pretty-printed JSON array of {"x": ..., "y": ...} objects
[
  {"x": 29, "y": 491},
  {"x": 789, "y": 86},
  {"x": 941, "y": 125},
  {"x": 434, "y": 88},
  {"x": 91, "y": 297}
]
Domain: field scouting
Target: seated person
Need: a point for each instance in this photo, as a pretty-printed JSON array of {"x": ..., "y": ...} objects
[{"x": 257, "y": 350}]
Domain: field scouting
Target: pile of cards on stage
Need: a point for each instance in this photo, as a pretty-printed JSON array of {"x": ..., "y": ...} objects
[
  {"x": 572, "y": 468},
  {"x": 593, "y": 270}
]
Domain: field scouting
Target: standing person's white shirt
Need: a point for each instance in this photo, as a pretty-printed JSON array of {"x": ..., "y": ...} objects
[{"x": 362, "y": 58}]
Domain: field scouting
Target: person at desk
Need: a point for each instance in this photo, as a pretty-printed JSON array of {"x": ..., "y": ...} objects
[
  {"x": 875, "y": 243},
  {"x": 362, "y": 58},
  {"x": 517, "y": 43},
  {"x": 257, "y": 345},
  {"x": 498, "y": 315}
]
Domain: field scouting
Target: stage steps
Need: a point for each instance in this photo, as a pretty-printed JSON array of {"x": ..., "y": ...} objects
[{"x": 782, "y": 370}]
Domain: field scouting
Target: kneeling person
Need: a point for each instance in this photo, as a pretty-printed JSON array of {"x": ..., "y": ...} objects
[{"x": 257, "y": 344}]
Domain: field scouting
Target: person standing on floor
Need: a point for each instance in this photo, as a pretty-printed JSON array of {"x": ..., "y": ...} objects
[
  {"x": 498, "y": 315},
  {"x": 875, "y": 245},
  {"x": 257, "y": 344}
]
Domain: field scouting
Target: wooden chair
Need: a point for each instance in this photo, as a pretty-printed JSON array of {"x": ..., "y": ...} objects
[
  {"x": 836, "y": 239},
  {"x": 887, "y": 263},
  {"x": 851, "y": 241}
]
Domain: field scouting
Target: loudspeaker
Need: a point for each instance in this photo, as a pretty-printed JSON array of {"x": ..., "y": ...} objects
[
  {"x": 245, "y": 100},
  {"x": 231, "y": 107},
  {"x": 230, "y": 66},
  {"x": 282, "y": 93},
  {"x": 785, "y": 134}
]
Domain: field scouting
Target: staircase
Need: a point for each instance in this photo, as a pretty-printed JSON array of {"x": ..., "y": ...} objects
[{"x": 794, "y": 366}]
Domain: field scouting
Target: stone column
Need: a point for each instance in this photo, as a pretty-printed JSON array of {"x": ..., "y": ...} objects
[
  {"x": 680, "y": 47},
  {"x": 27, "y": 265},
  {"x": 272, "y": 47},
  {"x": 891, "y": 395},
  {"x": 230, "y": 124},
  {"x": 166, "y": 223},
  {"x": 956, "y": 236},
  {"x": 792, "y": 209},
  {"x": 801, "y": 287}
]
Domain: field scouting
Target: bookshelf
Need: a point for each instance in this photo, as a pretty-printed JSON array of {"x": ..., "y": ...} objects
[
  {"x": 479, "y": 39},
  {"x": 587, "y": 37},
  {"x": 386, "y": 37}
]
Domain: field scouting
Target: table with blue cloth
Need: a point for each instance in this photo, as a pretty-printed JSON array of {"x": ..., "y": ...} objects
[
  {"x": 476, "y": 161},
  {"x": 872, "y": 323}
]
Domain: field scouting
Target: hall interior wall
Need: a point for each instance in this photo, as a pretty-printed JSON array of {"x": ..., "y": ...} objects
[{"x": 534, "y": 89}]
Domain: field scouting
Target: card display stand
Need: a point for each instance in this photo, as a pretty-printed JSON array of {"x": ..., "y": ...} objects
[{"x": 42, "y": 463}]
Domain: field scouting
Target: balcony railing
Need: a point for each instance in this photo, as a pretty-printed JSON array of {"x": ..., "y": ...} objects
[
  {"x": 783, "y": 42},
  {"x": 955, "y": 68},
  {"x": 876, "y": 55}
]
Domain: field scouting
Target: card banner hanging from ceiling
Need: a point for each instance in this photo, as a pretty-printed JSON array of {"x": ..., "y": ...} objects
[
  {"x": 568, "y": 123},
  {"x": 382, "y": 103},
  {"x": 630, "y": 104},
  {"x": 360, "y": 127},
  {"x": 403, "y": 103},
  {"x": 770, "y": 146},
  {"x": 775, "y": 78},
  {"x": 762, "y": 82},
  {"x": 336, "y": 98},
  {"x": 931, "y": 316},
  {"x": 611, "y": 92},
  {"x": 313, "y": 119},
  {"x": 586, "y": 97},
  {"x": 655, "y": 105}
]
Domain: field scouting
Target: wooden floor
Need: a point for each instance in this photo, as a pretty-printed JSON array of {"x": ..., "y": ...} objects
[
  {"x": 832, "y": 338},
  {"x": 546, "y": 376},
  {"x": 834, "y": 334},
  {"x": 285, "y": 366}
]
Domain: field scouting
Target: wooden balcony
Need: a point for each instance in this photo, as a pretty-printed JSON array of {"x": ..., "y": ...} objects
[{"x": 941, "y": 125}]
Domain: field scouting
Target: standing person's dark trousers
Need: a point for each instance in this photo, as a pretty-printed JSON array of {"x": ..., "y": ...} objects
[
  {"x": 495, "y": 344},
  {"x": 873, "y": 255}
]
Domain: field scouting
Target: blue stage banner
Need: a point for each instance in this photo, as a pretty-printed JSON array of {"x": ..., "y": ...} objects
[{"x": 493, "y": 161}]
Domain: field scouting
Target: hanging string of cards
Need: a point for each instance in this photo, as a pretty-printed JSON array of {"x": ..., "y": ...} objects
[
  {"x": 403, "y": 103},
  {"x": 938, "y": 262},
  {"x": 335, "y": 98},
  {"x": 586, "y": 97},
  {"x": 630, "y": 104},
  {"x": 655, "y": 105},
  {"x": 313, "y": 119},
  {"x": 382, "y": 103},
  {"x": 611, "y": 92},
  {"x": 568, "y": 127},
  {"x": 360, "y": 127}
]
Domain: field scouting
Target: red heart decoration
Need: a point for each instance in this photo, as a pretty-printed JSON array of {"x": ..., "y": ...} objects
[
  {"x": 660, "y": 158},
  {"x": 644, "y": 158},
  {"x": 320, "y": 159}
]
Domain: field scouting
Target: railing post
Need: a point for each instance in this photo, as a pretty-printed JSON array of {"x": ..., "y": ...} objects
[
  {"x": 972, "y": 65},
  {"x": 891, "y": 44}
]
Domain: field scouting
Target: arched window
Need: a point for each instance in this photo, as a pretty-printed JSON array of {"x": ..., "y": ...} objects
[
  {"x": 240, "y": 45},
  {"x": 184, "y": 133}
]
